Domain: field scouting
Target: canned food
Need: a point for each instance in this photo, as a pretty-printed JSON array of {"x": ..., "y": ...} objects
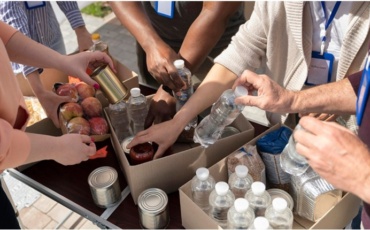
[
  {"x": 104, "y": 186},
  {"x": 275, "y": 192},
  {"x": 124, "y": 144},
  {"x": 153, "y": 209},
  {"x": 109, "y": 83}
]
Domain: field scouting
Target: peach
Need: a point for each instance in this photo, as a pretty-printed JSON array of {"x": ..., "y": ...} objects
[
  {"x": 70, "y": 110},
  {"x": 78, "y": 125},
  {"x": 92, "y": 107},
  {"x": 98, "y": 126},
  {"x": 67, "y": 89},
  {"x": 84, "y": 90}
]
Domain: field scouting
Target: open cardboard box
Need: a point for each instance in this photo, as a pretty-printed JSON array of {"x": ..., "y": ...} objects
[
  {"x": 194, "y": 217},
  {"x": 170, "y": 172}
]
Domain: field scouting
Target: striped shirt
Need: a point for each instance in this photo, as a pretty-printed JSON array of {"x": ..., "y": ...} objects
[{"x": 40, "y": 24}]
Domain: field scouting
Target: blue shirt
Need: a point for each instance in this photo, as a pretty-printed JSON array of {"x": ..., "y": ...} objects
[{"x": 40, "y": 24}]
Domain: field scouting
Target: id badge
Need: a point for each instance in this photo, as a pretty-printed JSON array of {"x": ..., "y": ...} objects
[
  {"x": 363, "y": 92},
  {"x": 321, "y": 68},
  {"x": 34, "y": 4},
  {"x": 165, "y": 8}
]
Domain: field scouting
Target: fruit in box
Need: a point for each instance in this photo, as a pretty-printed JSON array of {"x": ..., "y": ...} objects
[
  {"x": 92, "y": 107},
  {"x": 98, "y": 126},
  {"x": 68, "y": 90},
  {"x": 84, "y": 90},
  {"x": 70, "y": 110},
  {"x": 78, "y": 125}
]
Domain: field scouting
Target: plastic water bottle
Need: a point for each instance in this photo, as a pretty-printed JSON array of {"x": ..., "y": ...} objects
[
  {"x": 240, "y": 181},
  {"x": 279, "y": 215},
  {"x": 137, "y": 110},
  {"x": 185, "y": 93},
  {"x": 240, "y": 216},
  {"x": 223, "y": 113},
  {"x": 261, "y": 223},
  {"x": 220, "y": 200},
  {"x": 98, "y": 45},
  {"x": 259, "y": 199},
  {"x": 290, "y": 160},
  {"x": 120, "y": 121},
  {"x": 202, "y": 185}
]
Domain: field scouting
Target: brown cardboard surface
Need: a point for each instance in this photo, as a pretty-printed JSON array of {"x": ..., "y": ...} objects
[
  {"x": 193, "y": 217},
  {"x": 170, "y": 172}
]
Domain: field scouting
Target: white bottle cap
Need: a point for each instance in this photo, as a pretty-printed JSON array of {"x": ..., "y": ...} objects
[
  {"x": 279, "y": 204},
  {"x": 240, "y": 91},
  {"x": 241, "y": 204},
  {"x": 202, "y": 174},
  {"x": 241, "y": 171},
  {"x": 135, "y": 92},
  {"x": 258, "y": 187},
  {"x": 221, "y": 188},
  {"x": 261, "y": 222},
  {"x": 179, "y": 63}
]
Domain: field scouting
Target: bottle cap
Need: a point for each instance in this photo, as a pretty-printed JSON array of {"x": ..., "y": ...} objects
[
  {"x": 258, "y": 187},
  {"x": 221, "y": 188},
  {"x": 279, "y": 204},
  {"x": 241, "y": 171},
  {"x": 240, "y": 91},
  {"x": 261, "y": 222},
  {"x": 202, "y": 173},
  {"x": 241, "y": 205},
  {"x": 179, "y": 64},
  {"x": 135, "y": 92},
  {"x": 95, "y": 36}
]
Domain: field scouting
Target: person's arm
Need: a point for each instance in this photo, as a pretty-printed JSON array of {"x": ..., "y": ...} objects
[
  {"x": 74, "y": 16},
  {"x": 206, "y": 31}
]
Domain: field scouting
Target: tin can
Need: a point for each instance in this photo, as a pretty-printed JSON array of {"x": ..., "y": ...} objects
[
  {"x": 153, "y": 209},
  {"x": 124, "y": 144},
  {"x": 111, "y": 86},
  {"x": 104, "y": 186}
]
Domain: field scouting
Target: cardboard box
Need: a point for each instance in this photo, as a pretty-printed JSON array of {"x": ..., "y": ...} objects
[
  {"x": 170, "y": 172},
  {"x": 194, "y": 217}
]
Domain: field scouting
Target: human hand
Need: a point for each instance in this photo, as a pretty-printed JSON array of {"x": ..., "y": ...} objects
[
  {"x": 320, "y": 116},
  {"x": 164, "y": 135},
  {"x": 270, "y": 95},
  {"x": 74, "y": 148},
  {"x": 83, "y": 38},
  {"x": 159, "y": 61},
  {"x": 335, "y": 153},
  {"x": 162, "y": 108}
]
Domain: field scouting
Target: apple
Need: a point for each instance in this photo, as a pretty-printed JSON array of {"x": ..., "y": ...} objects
[
  {"x": 78, "y": 125},
  {"x": 92, "y": 107},
  {"x": 67, "y": 89},
  {"x": 84, "y": 90},
  {"x": 98, "y": 126},
  {"x": 70, "y": 110}
]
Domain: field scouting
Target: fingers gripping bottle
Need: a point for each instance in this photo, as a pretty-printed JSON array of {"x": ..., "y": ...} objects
[
  {"x": 223, "y": 113},
  {"x": 202, "y": 185},
  {"x": 259, "y": 199},
  {"x": 279, "y": 215},
  {"x": 220, "y": 200},
  {"x": 185, "y": 93},
  {"x": 240, "y": 181},
  {"x": 137, "y": 110},
  {"x": 240, "y": 215}
]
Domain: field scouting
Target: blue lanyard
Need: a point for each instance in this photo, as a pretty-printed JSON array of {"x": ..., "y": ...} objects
[{"x": 328, "y": 21}]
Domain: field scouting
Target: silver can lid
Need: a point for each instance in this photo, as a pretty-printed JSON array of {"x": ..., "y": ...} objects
[
  {"x": 125, "y": 142},
  {"x": 102, "y": 177},
  {"x": 153, "y": 201}
]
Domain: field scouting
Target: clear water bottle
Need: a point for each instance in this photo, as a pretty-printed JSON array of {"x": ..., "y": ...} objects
[
  {"x": 220, "y": 200},
  {"x": 120, "y": 121},
  {"x": 279, "y": 215},
  {"x": 202, "y": 185},
  {"x": 240, "y": 181},
  {"x": 261, "y": 223},
  {"x": 137, "y": 110},
  {"x": 223, "y": 113},
  {"x": 184, "y": 94},
  {"x": 290, "y": 160},
  {"x": 259, "y": 199},
  {"x": 240, "y": 216}
]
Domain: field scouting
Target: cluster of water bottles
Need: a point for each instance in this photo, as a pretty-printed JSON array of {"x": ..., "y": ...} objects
[{"x": 241, "y": 203}]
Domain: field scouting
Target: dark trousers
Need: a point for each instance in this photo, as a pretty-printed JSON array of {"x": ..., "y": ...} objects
[{"x": 8, "y": 219}]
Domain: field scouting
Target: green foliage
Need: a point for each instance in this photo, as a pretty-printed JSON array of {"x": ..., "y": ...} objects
[{"x": 97, "y": 9}]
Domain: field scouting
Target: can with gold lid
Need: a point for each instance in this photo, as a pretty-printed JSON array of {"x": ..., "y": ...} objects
[
  {"x": 153, "y": 209},
  {"x": 114, "y": 90},
  {"x": 104, "y": 186}
]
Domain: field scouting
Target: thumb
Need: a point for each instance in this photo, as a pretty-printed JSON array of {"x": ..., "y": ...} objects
[
  {"x": 88, "y": 80},
  {"x": 248, "y": 100}
]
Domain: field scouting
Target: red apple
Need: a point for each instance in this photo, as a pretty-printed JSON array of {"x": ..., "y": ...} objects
[
  {"x": 78, "y": 125},
  {"x": 67, "y": 89},
  {"x": 92, "y": 107},
  {"x": 98, "y": 126},
  {"x": 84, "y": 90},
  {"x": 70, "y": 110}
]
